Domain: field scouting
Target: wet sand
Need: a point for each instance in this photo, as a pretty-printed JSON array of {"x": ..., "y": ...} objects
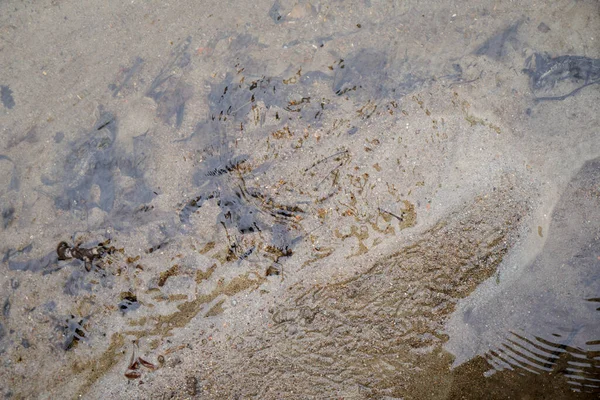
[{"x": 300, "y": 200}]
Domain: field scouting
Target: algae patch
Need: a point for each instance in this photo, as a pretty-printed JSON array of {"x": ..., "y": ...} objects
[
  {"x": 97, "y": 368},
  {"x": 164, "y": 324}
]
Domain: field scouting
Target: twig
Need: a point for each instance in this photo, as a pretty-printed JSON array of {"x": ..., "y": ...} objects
[
  {"x": 325, "y": 159},
  {"x": 327, "y": 176},
  {"x": 381, "y": 210}
]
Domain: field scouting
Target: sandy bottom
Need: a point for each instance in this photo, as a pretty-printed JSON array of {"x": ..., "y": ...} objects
[{"x": 300, "y": 200}]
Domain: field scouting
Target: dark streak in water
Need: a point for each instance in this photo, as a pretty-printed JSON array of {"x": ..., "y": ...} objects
[
  {"x": 232, "y": 100},
  {"x": 495, "y": 47},
  {"x": 129, "y": 73},
  {"x": 230, "y": 166},
  {"x": 86, "y": 177},
  {"x": 364, "y": 70},
  {"x": 538, "y": 355},
  {"x": 8, "y": 215},
  {"x": 13, "y": 252},
  {"x": 194, "y": 205},
  {"x": 275, "y": 13},
  {"x": 6, "y": 96},
  {"x": 105, "y": 124},
  {"x": 30, "y": 137},
  {"x": 169, "y": 91},
  {"x": 6, "y": 308},
  {"x": 34, "y": 265},
  {"x": 547, "y": 73}
]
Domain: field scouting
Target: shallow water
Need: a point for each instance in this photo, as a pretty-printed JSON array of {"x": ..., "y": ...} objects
[{"x": 294, "y": 199}]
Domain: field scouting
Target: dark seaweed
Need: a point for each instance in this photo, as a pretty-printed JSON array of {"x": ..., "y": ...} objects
[
  {"x": 30, "y": 137},
  {"x": 6, "y": 95},
  {"x": 126, "y": 306},
  {"x": 128, "y": 303},
  {"x": 364, "y": 70},
  {"x": 13, "y": 252},
  {"x": 194, "y": 205},
  {"x": 275, "y": 14},
  {"x": 168, "y": 90},
  {"x": 73, "y": 331},
  {"x": 247, "y": 96},
  {"x": 76, "y": 283},
  {"x": 156, "y": 247},
  {"x": 8, "y": 215},
  {"x": 293, "y": 43},
  {"x": 14, "y": 180},
  {"x": 229, "y": 166},
  {"x": 311, "y": 77},
  {"x": 495, "y": 47},
  {"x": 6, "y": 308},
  {"x": 129, "y": 73},
  {"x": 171, "y": 103},
  {"x": 246, "y": 253},
  {"x": 242, "y": 42},
  {"x": 239, "y": 213},
  {"x": 180, "y": 58},
  {"x": 243, "y": 210},
  {"x": 336, "y": 157},
  {"x": 34, "y": 265},
  {"x": 282, "y": 241},
  {"x": 93, "y": 162},
  {"x": 551, "y": 74},
  {"x": 232, "y": 100}
]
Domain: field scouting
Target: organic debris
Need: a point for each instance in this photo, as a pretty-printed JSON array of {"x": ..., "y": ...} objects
[
  {"x": 134, "y": 368},
  {"x": 66, "y": 252}
]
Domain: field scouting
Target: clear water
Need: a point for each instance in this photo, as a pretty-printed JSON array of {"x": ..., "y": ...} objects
[{"x": 300, "y": 200}]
